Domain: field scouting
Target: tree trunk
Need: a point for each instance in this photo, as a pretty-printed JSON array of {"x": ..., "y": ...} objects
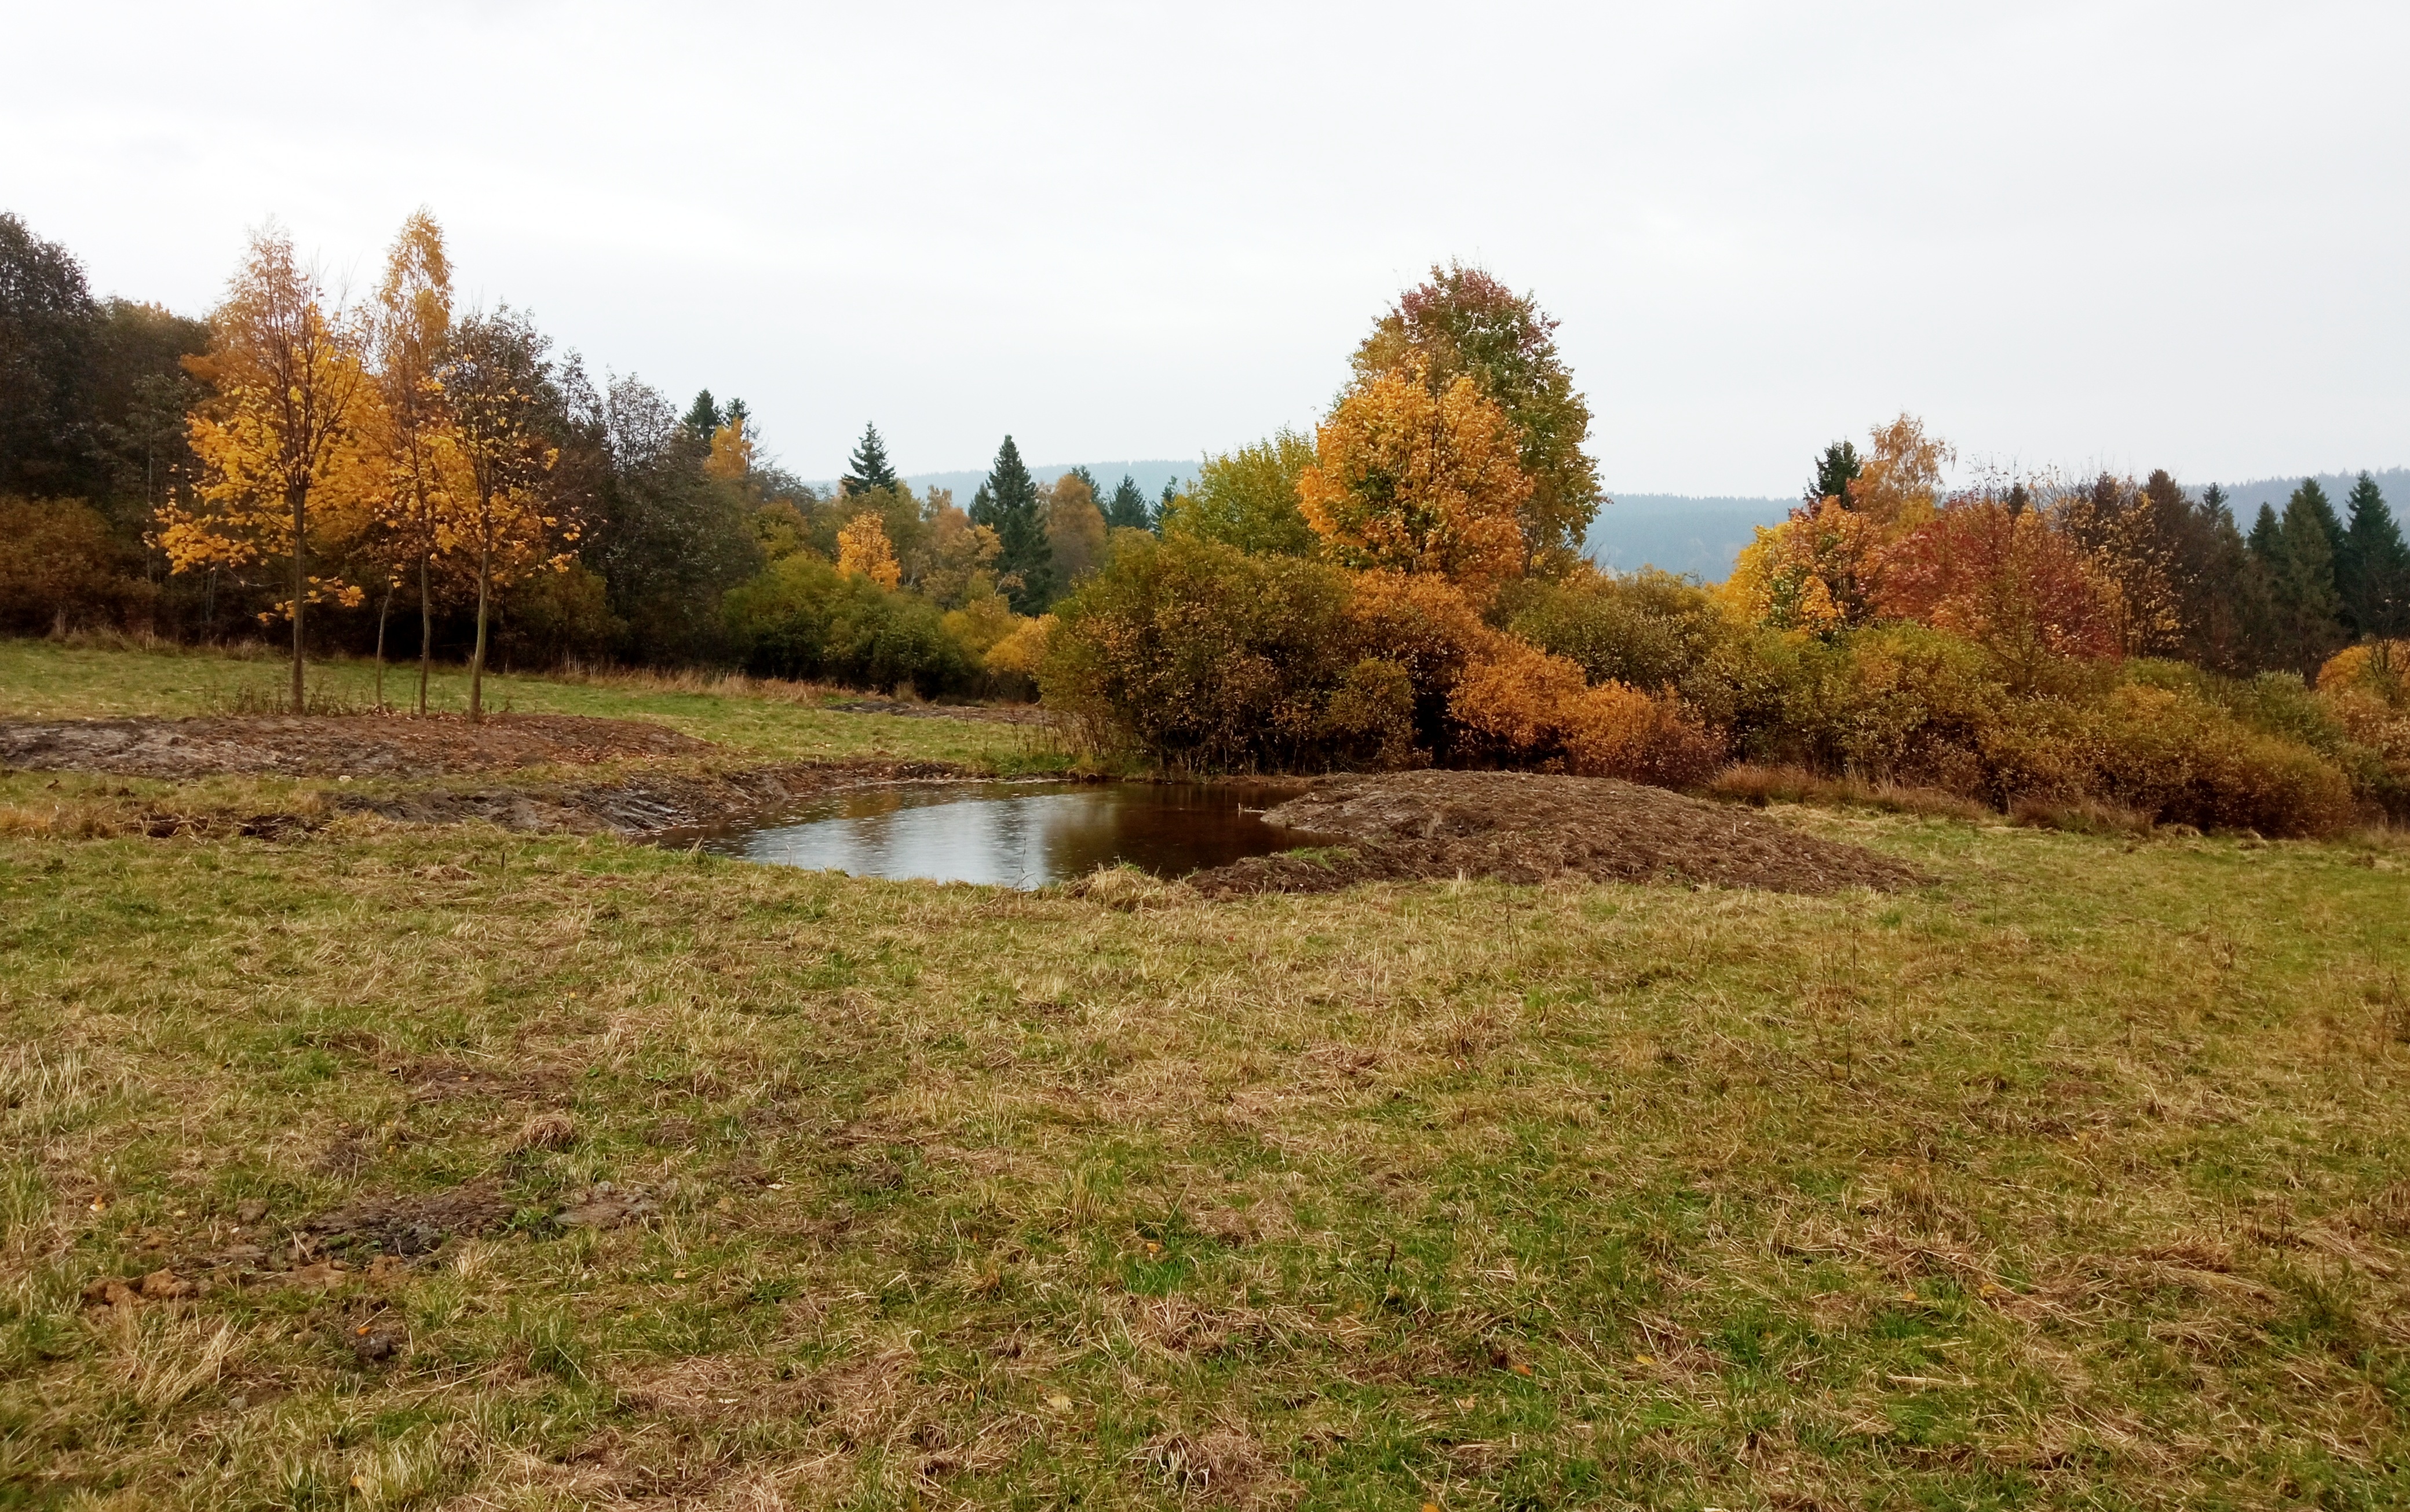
[
  {"x": 426, "y": 635},
  {"x": 384, "y": 607},
  {"x": 300, "y": 584},
  {"x": 477, "y": 665}
]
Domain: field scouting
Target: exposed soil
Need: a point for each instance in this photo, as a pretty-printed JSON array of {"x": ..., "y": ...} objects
[
  {"x": 1526, "y": 827},
  {"x": 413, "y": 1225},
  {"x": 650, "y": 804},
  {"x": 330, "y": 746}
]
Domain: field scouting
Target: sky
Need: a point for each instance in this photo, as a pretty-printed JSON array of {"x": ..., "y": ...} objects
[{"x": 2072, "y": 236}]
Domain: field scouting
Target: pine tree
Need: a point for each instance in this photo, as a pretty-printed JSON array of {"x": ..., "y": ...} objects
[
  {"x": 1835, "y": 472},
  {"x": 1007, "y": 504},
  {"x": 868, "y": 468},
  {"x": 2309, "y": 611},
  {"x": 2373, "y": 566},
  {"x": 1127, "y": 510}
]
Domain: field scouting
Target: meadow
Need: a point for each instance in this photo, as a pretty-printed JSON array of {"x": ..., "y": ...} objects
[{"x": 444, "y": 1166}]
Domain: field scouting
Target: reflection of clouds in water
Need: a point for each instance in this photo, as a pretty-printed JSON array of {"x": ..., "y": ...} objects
[{"x": 1019, "y": 839}]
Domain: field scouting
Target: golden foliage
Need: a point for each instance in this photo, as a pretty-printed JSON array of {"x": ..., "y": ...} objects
[
  {"x": 283, "y": 422},
  {"x": 1075, "y": 528},
  {"x": 1811, "y": 573},
  {"x": 732, "y": 453},
  {"x": 1417, "y": 482},
  {"x": 1901, "y": 484},
  {"x": 1525, "y": 703},
  {"x": 863, "y": 548},
  {"x": 1021, "y": 649}
]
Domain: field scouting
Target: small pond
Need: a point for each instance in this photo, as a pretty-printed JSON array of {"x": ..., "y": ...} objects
[{"x": 1020, "y": 833}]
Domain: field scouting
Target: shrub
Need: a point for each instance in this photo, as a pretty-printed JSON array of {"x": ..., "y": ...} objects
[
  {"x": 58, "y": 564},
  {"x": 802, "y": 618},
  {"x": 1650, "y": 630},
  {"x": 1194, "y": 655},
  {"x": 1524, "y": 704},
  {"x": 559, "y": 616}
]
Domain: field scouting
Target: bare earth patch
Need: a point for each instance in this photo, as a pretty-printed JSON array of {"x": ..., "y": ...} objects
[
  {"x": 657, "y": 804},
  {"x": 330, "y": 746},
  {"x": 1529, "y": 827}
]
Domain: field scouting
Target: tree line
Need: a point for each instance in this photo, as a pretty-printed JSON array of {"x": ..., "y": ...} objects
[{"x": 345, "y": 474}]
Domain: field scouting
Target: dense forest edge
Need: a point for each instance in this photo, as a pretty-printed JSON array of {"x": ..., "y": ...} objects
[{"x": 408, "y": 480}]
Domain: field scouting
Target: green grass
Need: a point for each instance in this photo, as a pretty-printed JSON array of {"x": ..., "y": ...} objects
[
  {"x": 2081, "y": 1178},
  {"x": 46, "y": 681}
]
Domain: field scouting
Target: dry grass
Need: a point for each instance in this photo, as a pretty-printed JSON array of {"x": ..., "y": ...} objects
[{"x": 559, "y": 1173}]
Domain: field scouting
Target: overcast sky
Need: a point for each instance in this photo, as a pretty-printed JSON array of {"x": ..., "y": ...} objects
[{"x": 2131, "y": 235}]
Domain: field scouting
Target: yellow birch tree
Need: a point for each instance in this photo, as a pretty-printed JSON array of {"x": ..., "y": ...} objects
[
  {"x": 503, "y": 526},
  {"x": 414, "y": 449},
  {"x": 287, "y": 386},
  {"x": 863, "y": 546}
]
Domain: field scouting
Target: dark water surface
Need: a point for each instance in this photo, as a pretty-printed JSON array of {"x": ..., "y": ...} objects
[{"x": 1021, "y": 833}]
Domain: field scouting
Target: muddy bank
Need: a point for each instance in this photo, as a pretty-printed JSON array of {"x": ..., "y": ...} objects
[
  {"x": 648, "y": 803},
  {"x": 330, "y": 746},
  {"x": 1526, "y": 827}
]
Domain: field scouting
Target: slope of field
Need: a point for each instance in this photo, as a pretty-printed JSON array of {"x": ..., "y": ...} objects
[{"x": 397, "y": 1165}]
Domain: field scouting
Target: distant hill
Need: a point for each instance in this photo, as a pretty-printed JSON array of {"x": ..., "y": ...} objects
[
  {"x": 1700, "y": 537},
  {"x": 2246, "y": 498}
]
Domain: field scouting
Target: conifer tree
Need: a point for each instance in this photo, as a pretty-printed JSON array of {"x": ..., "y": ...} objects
[
  {"x": 868, "y": 467},
  {"x": 2309, "y": 611},
  {"x": 1126, "y": 509},
  {"x": 1007, "y": 504},
  {"x": 1835, "y": 472},
  {"x": 704, "y": 416},
  {"x": 2373, "y": 566}
]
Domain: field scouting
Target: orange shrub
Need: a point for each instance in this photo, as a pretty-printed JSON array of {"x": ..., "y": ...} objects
[{"x": 1524, "y": 704}]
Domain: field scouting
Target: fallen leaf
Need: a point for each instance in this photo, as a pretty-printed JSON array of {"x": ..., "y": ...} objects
[{"x": 1059, "y": 1401}]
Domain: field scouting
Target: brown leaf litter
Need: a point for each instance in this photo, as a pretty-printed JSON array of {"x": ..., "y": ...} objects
[
  {"x": 361, "y": 745},
  {"x": 1533, "y": 827}
]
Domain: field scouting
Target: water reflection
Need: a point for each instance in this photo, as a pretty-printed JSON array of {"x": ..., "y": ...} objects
[{"x": 1019, "y": 835}]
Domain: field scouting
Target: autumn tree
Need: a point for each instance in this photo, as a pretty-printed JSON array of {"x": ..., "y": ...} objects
[
  {"x": 863, "y": 548},
  {"x": 731, "y": 456},
  {"x": 288, "y": 383},
  {"x": 504, "y": 527},
  {"x": 2005, "y": 579},
  {"x": 1418, "y": 480},
  {"x": 1248, "y": 499},
  {"x": 1008, "y": 503},
  {"x": 868, "y": 467},
  {"x": 1822, "y": 569},
  {"x": 1462, "y": 323},
  {"x": 1075, "y": 526},
  {"x": 2130, "y": 537},
  {"x": 413, "y": 448}
]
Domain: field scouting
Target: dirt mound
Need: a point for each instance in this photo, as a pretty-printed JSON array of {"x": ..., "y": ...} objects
[
  {"x": 652, "y": 804},
  {"x": 330, "y": 746},
  {"x": 1525, "y": 827}
]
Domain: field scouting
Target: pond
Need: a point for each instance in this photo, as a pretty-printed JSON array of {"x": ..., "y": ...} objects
[{"x": 1020, "y": 833}]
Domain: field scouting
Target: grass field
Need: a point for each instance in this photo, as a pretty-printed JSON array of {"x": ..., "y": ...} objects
[{"x": 2078, "y": 1178}]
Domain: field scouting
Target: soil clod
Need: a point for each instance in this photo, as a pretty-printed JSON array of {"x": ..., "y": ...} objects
[{"x": 415, "y": 1225}]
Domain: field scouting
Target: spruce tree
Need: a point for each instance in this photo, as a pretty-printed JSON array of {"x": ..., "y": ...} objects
[
  {"x": 704, "y": 416},
  {"x": 1835, "y": 472},
  {"x": 2308, "y": 610},
  {"x": 2373, "y": 566},
  {"x": 1127, "y": 510},
  {"x": 2267, "y": 539},
  {"x": 1007, "y": 504},
  {"x": 868, "y": 468}
]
